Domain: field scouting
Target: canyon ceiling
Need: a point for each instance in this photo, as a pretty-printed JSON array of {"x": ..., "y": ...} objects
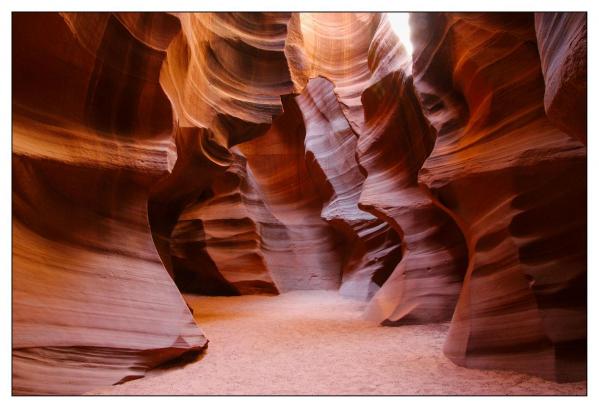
[{"x": 245, "y": 153}]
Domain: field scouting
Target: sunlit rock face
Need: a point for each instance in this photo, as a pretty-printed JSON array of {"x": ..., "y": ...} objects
[
  {"x": 259, "y": 153},
  {"x": 372, "y": 246}
]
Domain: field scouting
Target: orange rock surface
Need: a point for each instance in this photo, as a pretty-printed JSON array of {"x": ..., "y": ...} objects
[
  {"x": 516, "y": 186},
  {"x": 247, "y": 153},
  {"x": 92, "y": 303}
]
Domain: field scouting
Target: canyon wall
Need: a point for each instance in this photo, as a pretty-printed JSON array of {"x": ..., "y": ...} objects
[
  {"x": 92, "y": 303},
  {"x": 242, "y": 153},
  {"x": 516, "y": 186}
]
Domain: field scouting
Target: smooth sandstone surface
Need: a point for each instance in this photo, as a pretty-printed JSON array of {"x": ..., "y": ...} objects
[
  {"x": 92, "y": 303},
  {"x": 263, "y": 153},
  {"x": 516, "y": 186},
  {"x": 562, "y": 42}
]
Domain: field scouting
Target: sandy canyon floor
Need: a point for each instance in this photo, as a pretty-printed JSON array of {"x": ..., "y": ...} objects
[{"x": 315, "y": 343}]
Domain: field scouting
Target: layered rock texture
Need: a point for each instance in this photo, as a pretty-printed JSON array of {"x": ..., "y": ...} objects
[
  {"x": 514, "y": 183},
  {"x": 243, "y": 153},
  {"x": 92, "y": 303}
]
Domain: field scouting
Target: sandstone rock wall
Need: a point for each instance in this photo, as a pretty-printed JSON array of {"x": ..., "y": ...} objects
[
  {"x": 562, "y": 44},
  {"x": 238, "y": 153},
  {"x": 92, "y": 304},
  {"x": 516, "y": 186}
]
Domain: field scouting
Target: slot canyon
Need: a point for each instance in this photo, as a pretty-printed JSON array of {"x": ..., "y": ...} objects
[{"x": 299, "y": 203}]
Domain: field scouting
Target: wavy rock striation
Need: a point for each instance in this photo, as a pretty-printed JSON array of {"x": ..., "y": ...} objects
[
  {"x": 224, "y": 225},
  {"x": 562, "y": 42},
  {"x": 241, "y": 153},
  {"x": 226, "y": 72},
  {"x": 302, "y": 246},
  {"x": 516, "y": 186},
  {"x": 92, "y": 304},
  {"x": 372, "y": 248},
  {"x": 397, "y": 138}
]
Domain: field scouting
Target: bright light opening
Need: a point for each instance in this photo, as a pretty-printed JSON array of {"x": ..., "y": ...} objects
[{"x": 401, "y": 25}]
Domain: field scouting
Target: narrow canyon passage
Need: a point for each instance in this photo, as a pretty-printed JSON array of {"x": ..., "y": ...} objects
[
  {"x": 315, "y": 342},
  {"x": 351, "y": 203}
]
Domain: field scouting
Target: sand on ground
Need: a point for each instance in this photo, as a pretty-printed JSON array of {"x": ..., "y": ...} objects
[{"x": 316, "y": 343}]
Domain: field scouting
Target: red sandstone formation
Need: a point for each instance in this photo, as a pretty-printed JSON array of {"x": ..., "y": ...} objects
[
  {"x": 302, "y": 246},
  {"x": 562, "y": 43},
  {"x": 516, "y": 186},
  {"x": 334, "y": 46},
  {"x": 238, "y": 153},
  {"x": 92, "y": 304},
  {"x": 223, "y": 223},
  {"x": 374, "y": 248},
  {"x": 227, "y": 71},
  {"x": 395, "y": 141}
]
